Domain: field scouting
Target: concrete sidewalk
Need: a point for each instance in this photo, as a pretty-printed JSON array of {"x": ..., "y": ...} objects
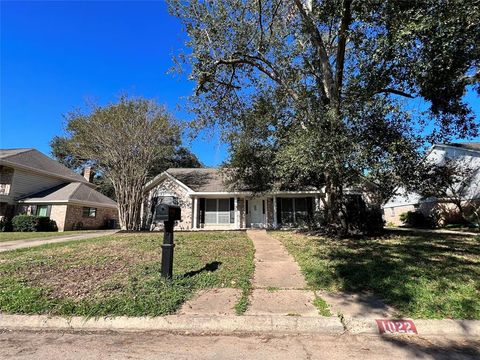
[
  {"x": 279, "y": 287},
  {"x": 433, "y": 231},
  {"x": 25, "y": 243}
]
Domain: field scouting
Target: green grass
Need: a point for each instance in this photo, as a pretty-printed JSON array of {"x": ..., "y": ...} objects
[
  {"x": 10, "y": 236},
  {"x": 322, "y": 306},
  {"x": 120, "y": 274},
  {"x": 422, "y": 275}
]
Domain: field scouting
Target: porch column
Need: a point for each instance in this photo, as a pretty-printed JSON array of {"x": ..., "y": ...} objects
[
  {"x": 195, "y": 213},
  {"x": 236, "y": 213},
  {"x": 275, "y": 212},
  {"x": 266, "y": 212},
  {"x": 317, "y": 203}
]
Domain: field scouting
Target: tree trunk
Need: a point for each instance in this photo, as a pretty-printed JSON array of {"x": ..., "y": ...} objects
[
  {"x": 334, "y": 211},
  {"x": 129, "y": 199}
]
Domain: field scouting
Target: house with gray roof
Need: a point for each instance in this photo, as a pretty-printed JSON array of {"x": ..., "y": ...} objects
[
  {"x": 32, "y": 183},
  {"x": 208, "y": 203}
]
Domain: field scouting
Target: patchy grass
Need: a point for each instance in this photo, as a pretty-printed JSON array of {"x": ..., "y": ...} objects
[
  {"x": 10, "y": 236},
  {"x": 322, "y": 306},
  {"x": 120, "y": 274},
  {"x": 422, "y": 275}
]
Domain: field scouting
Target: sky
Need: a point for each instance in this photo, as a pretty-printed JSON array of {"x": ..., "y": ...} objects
[{"x": 56, "y": 55}]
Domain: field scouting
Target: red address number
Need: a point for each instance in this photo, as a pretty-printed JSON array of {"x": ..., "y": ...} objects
[{"x": 396, "y": 326}]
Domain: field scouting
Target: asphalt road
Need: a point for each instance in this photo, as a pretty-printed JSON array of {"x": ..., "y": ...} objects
[{"x": 154, "y": 345}]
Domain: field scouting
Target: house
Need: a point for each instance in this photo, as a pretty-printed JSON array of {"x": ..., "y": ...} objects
[
  {"x": 33, "y": 183},
  {"x": 206, "y": 202},
  {"x": 462, "y": 153}
]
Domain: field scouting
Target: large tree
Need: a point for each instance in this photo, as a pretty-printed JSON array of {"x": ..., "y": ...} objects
[
  {"x": 124, "y": 140},
  {"x": 338, "y": 79},
  {"x": 178, "y": 158}
]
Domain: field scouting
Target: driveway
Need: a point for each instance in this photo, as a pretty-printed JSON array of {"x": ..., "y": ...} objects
[{"x": 24, "y": 243}]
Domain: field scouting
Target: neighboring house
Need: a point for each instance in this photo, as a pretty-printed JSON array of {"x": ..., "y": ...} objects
[
  {"x": 207, "y": 203},
  {"x": 33, "y": 183},
  {"x": 463, "y": 153}
]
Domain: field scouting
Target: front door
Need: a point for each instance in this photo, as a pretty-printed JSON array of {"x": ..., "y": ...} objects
[{"x": 257, "y": 216}]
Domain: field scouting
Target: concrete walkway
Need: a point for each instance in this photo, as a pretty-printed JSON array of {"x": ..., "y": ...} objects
[
  {"x": 434, "y": 231},
  {"x": 278, "y": 285},
  {"x": 24, "y": 243}
]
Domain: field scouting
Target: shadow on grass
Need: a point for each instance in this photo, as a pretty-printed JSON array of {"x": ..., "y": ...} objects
[
  {"x": 424, "y": 275},
  {"x": 210, "y": 267}
]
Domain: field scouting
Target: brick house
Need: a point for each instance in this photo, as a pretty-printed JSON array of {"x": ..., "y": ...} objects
[
  {"x": 32, "y": 183},
  {"x": 207, "y": 203}
]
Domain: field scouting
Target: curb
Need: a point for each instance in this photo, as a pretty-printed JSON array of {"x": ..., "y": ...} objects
[
  {"x": 233, "y": 324},
  {"x": 194, "y": 324},
  {"x": 424, "y": 327}
]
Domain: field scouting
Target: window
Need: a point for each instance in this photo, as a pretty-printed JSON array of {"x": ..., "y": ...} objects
[
  {"x": 89, "y": 212},
  {"x": 42, "y": 210},
  {"x": 218, "y": 211},
  {"x": 287, "y": 211},
  {"x": 293, "y": 210},
  {"x": 4, "y": 189}
]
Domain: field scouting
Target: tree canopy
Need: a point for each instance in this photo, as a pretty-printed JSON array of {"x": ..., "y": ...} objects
[
  {"x": 125, "y": 141},
  {"x": 322, "y": 93}
]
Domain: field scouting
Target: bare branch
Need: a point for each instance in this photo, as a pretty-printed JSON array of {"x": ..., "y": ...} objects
[
  {"x": 328, "y": 82},
  {"x": 342, "y": 42},
  {"x": 396, "y": 92}
]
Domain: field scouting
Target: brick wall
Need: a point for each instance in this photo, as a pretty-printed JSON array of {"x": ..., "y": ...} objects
[
  {"x": 58, "y": 214},
  {"x": 168, "y": 188},
  {"x": 74, "y": 215},
  {"x": 392, "y": 214}
]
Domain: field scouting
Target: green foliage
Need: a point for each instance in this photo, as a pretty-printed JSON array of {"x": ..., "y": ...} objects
[
  {"x": 320, "y": 96},
  {"x": 322, "y": 306},
  {"x": 6, "y": 225},
  {"x": 416, "y": 219},
  {"x": 30, "y": 223}
]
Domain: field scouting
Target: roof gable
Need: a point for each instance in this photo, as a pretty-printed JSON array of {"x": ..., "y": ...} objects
[
  {"x": 34, "y": 160},
  {"x": 70, "y": 192}
]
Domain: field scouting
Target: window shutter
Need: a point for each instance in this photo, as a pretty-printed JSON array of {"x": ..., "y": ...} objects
[
  {"x": 232, "y": 210},
  {"x": 202, "y": 210}
]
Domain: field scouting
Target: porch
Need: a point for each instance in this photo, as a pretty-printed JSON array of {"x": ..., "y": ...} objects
[{"x": 223, "y": 212}]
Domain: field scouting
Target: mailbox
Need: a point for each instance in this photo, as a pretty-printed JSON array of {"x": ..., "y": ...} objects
[{"x": 167, "y": 212}]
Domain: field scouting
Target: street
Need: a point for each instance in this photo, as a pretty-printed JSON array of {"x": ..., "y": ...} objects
[{"x": 157, "y": 345}]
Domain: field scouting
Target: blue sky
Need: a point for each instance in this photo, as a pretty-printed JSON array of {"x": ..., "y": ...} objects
[{"x": 55, "y": 55}]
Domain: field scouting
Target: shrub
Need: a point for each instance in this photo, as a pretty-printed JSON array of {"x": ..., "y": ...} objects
[
  {"x": 416, "y": 219},
  {"x": 5, "y": 225},
  {"x": 28, "y": 223},
  {"x": 362, "y": 218}
]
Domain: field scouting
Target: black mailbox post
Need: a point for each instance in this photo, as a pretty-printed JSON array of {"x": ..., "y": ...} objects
[{"x": 168, "y": 214}]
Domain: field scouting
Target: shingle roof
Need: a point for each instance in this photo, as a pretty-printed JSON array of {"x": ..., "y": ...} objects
[
  {"x": 34, "y": 160},
  {"x": 467, "y": 145},
  {"x": 200, "y": 179},
  {"x": 71, "y": 192}
]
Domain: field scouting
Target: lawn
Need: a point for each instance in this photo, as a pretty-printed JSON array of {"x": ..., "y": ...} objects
[
  {"x": 10, "y": 236},
  {"x": 422, "y": 275},
  {"x": 120, "y": 274}
]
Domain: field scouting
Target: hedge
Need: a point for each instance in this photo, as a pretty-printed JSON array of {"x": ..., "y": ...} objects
[{"x": 29, "y": 223}]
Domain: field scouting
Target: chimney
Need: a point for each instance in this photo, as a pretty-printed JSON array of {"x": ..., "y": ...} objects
[{"x": 88, "y": 173}]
